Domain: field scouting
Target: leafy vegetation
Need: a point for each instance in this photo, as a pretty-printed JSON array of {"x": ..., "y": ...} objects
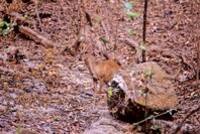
[
  {"x": 5, "y": 27},
  {"x": 128, "y": 9}
]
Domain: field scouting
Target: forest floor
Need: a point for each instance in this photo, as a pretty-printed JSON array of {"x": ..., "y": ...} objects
[{"x": 49, "y": 90}]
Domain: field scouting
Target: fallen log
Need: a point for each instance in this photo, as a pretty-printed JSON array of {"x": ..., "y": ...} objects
[{"x": 36, "y": 36}]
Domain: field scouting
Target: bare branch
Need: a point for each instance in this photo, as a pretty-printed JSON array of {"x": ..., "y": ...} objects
[{"x": 36, "y": 36}]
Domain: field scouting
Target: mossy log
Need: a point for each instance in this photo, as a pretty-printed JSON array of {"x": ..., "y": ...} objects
[{"x": 139, "y": 91}]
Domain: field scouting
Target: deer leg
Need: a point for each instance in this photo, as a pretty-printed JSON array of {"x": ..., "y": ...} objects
[
  {"x": 95, "y": 83},
  {"x": 101, "y": 82}
]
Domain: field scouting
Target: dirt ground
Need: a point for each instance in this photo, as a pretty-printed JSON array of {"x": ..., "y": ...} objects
[{"x": 49, "y": 90}]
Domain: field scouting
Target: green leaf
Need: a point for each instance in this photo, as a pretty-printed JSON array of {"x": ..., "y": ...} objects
[
  {"x": 98, "y": 19},
  {"x": 148, "y": 73},
  {"x": 131, "y": 32},
  {"x": 56, "y": 118},
  {"x": 3, "y": 24},
  {"x": 104, "y": 40},
  {"x": 155, "y": 127},
  {"x": 109, "y": 92},
  {"x": 132, "y": 15},
  {"x": 142, "y": 46},
  {"x": 128, "y": 6},
  {"x": 5, "y": 27},
  {"x": 18, "y": 130}
]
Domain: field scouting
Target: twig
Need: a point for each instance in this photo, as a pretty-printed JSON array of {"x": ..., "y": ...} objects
[
  {"x": 152, "y": 117},
  {"x": 80, "y": 38},
  {"x": 105, "y": 30},
  {"x": 144, "y": 29},
  {"x": 88, "y": 18},
  {"x": 104, "y": 24},
  {"x": 80, "y": 29},
  {"x": 186, "y": 117},
  {"x": 198, "y": 61},
  {"x": 37, "y": 14}
]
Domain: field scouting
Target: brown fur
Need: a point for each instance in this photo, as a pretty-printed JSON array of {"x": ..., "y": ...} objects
[{"x": 102, "y": 71}]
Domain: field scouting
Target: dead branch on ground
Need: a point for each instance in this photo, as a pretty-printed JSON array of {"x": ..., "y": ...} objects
[{"x": 36, "y": 36}]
